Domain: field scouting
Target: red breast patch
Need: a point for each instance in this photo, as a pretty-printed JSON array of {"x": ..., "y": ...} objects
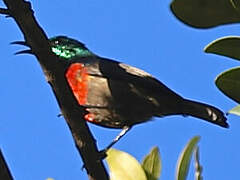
[{"x": 77, "y": 78}]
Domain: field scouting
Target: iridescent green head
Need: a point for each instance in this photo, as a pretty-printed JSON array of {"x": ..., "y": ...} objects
[{"x": 68, "y": 48}]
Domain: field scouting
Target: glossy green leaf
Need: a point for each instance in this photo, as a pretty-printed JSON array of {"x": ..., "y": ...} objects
[
  {"x": 124, "y": 166},
  {"x": 236, "y": 4},
  {"x": 229, "y": 83},
  {"x": 152, "y": 164},
  {"x": 185, "y": 157},
  {"x": 235, "y": 110},
  {"x": 205, "y": 13},
  {"x": 227, "y": 46}
]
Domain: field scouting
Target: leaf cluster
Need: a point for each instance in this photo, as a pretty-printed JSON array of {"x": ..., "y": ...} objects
[
  {"x": 208, "y": 14},
  {"x": 123, "y": 166}
]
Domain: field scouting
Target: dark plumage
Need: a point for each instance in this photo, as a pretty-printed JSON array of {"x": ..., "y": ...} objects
[{"x": 117, "y": 95}]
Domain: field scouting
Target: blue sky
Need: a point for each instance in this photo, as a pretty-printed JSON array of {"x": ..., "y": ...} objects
[{"x": 37, "y": 144}]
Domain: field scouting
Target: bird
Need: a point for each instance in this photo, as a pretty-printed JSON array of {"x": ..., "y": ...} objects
[{"x": 117, "y": 95}]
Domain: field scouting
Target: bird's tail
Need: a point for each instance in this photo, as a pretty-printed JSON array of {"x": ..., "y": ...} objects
[{"x": 206, "y": 112}]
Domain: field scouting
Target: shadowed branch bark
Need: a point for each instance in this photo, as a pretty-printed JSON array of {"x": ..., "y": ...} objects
[
  {"x": 4, "y": 170},
  {"x": 54, "y": 70}
]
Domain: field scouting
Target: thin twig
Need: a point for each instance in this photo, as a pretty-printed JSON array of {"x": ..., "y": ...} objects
[{"x": 4, "y": 11}]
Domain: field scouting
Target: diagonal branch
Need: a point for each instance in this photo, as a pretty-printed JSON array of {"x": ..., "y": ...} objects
[
  {"x": 4, "y": 170},
  {"x": 54, "y": 70}
]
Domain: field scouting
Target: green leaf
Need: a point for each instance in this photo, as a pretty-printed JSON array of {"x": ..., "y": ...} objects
[
  {"x": 185, "y": 157},
  {"x": 235, "y": 110},
  {"x": 152, "y": 164},
  {"x": 198, "y": 167},
  {"x": 205, "y": 13},
  {"x": 229, "y": 83},
  {"x": 228, "y": 46},
  {"x": 124, "y": 166},
  {"x": 236, "y": 4}
]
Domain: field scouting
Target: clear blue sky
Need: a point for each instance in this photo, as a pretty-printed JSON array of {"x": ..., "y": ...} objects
[{"x": 37, "y": 144}]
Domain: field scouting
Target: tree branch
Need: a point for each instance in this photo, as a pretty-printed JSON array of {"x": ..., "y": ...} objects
[
  {"x": 54, "y": 70},
  {"x": 4, "y": 11},
  {"x": 4, "y": 170}
]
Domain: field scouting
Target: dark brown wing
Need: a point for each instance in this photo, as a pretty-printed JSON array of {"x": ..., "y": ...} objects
[
  {"x": 163, "y": 100},
  {"x": 128, "y": 74}
]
